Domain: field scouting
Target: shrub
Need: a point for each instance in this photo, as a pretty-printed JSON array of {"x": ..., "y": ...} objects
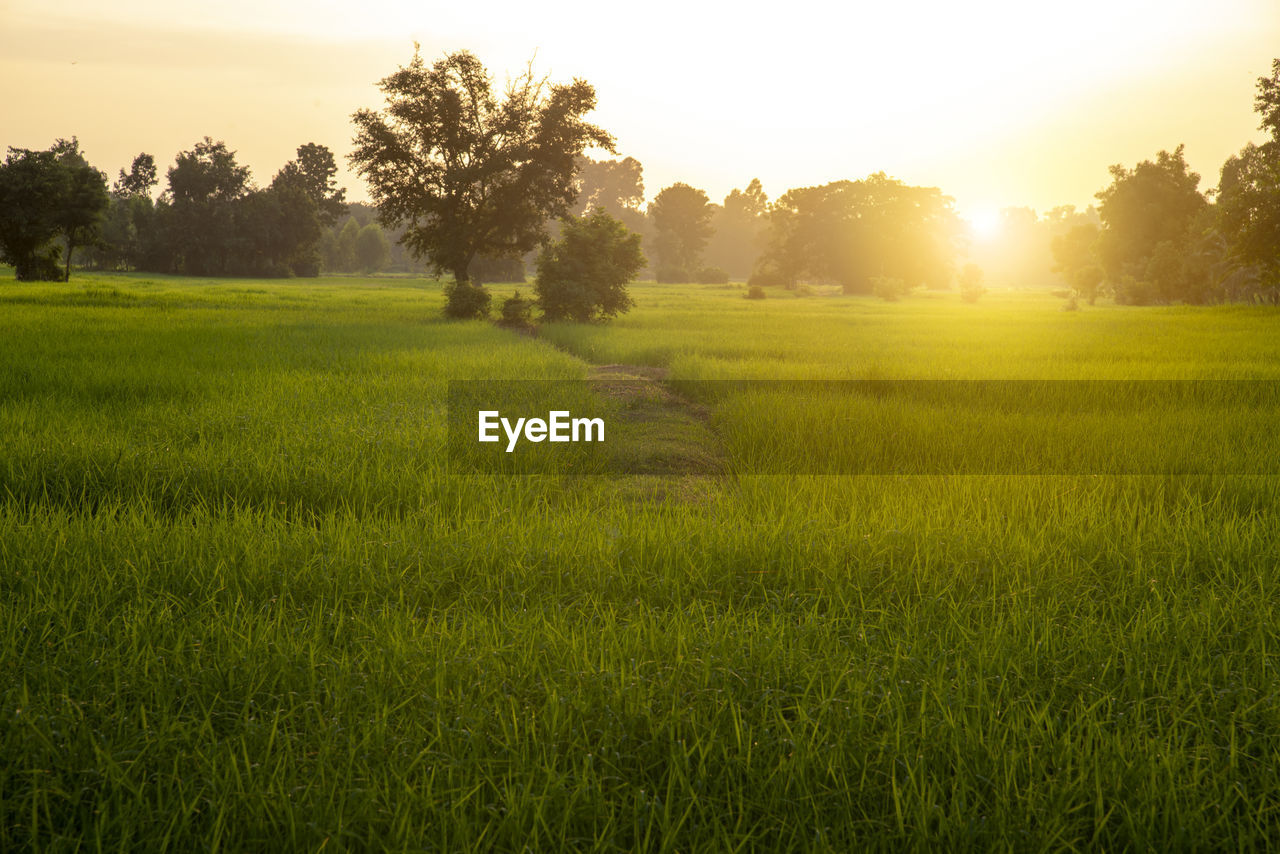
[
  {"x": 516, "y": 311},
  {"x": 755, "y": 292},
  {"x": 712, "y": 276},
  {"x": 889, "y": 289},
  {"x": 41, "y": 266},
  {"x": 583, "y": 276},
  {"x": 465, "y": 301},
  {"x": 971, "y": 288},
  {"x": 1131, "y": 291},
  {"x": 669, "y": 275}
]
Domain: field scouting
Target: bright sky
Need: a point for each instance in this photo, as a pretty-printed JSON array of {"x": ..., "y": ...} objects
[{"x": 998, "y": 102}]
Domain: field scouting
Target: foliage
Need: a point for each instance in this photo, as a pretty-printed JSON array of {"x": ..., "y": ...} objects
[
  {"x": 681, "y": 217},
  {"x": 1153, "y": 203},
  {"x": 468, "y": 173},
  {"x": 44, "y": 195},
  {"x": 755, "y": 292},
  {"x": 493, "y": 268},
  {"x": 584, "y": 275},
  {"x": 738, "y": 227},
  {"x": 141, "y": 178},
  {"x": 517, "y": 312},
  {"x": 852, "y": 232},
  {"x": 372, "y": 248},
  {"x": 465, "y": 301},
  {"x": 971, "y": 287}
]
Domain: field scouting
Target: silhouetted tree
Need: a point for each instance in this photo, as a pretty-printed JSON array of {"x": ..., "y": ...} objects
[
  {"x": 141, "y": 178},
  {"x": 583, "y": 276},
  {"x": 199, "y": 208},
  {"x": 314, "y": 172},
  {"x": 45, "y": 195},
  {"x": 466, "y": 172},
  {"x": 681, "y": 217}
]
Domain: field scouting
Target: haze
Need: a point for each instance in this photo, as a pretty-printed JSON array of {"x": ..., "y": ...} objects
[{"x": 996, "y": 102}]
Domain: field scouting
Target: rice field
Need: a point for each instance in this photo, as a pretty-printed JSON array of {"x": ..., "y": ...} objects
[{"x": 245, "y": 605}]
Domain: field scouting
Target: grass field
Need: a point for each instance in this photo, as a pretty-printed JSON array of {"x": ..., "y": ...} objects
[{"x": 243, "y": 607}]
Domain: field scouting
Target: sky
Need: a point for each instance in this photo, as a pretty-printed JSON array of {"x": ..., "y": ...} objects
[{"x": 997, "y": 102}]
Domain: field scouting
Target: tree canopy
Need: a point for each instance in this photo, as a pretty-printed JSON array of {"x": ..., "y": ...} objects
[
  {"x": 45, "y": 195},
  {"x": 467, "y": 171},
  {"x": 681, "y": 217}
]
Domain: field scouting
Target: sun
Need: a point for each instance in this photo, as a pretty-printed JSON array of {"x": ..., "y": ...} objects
[{"x": 984, "y": 224}]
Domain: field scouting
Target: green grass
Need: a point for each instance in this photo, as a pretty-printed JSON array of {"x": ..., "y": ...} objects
[{"x": 243, "y": 607}]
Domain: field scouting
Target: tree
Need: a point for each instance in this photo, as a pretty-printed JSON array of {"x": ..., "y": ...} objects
[
  {"x": 735, "y": 243},
  {"x": 372, "y": 248},
  {"x": 344, "y": 249},
  {"x": 141, "y": 178},
  {"x": 199, "y": 209},
  {"x": 79, "y": 217},
  {"x": 466, "y": 172},
  {"x": 584, "y": 275},
  {"x": 1248, "y": 197},
  {"x": 854, "y": 232},
  {"x": 681, "y": 217},
  {"x": 1152, "y": 203},
  {"x": 44, "y": 195},
  {"x": 314, "y": 173},
  {"x": 616, "y": 186}
]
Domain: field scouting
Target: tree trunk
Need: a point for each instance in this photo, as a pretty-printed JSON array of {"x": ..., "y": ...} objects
[{"x": 66, "y": 277}]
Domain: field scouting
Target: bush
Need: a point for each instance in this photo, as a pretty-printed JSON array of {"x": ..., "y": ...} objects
[
  {"x": 713, "y": 276},
  {"x": 516, "y": 311},
  {"x": 307, "y": 265},
  {"x": 971, "y": 288},
  {"x": 1131, "y": 291},
  {"x": 755, "y": 292},
  {"x": 889, "y": 289},
  {"x": 583, "y": 276},
  {"x": 669, "y": 275},
  {"x": 465, "y": 301}
]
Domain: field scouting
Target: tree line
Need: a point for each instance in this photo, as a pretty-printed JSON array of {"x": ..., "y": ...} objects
[{"x": 477, "y": 184}]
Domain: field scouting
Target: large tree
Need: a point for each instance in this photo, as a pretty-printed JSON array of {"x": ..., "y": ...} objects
[{"x": 466, "y": 171}]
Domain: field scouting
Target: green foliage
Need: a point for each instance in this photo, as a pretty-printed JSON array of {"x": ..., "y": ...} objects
[
  {"x": 1075, "y": 256},
  {"x": 755, "y": 292},
  {"x": 517, "y": 312},
  {"x": 444, "y": 133},
  {"x": 465, "y": 301},
  {"x": 44, "y": 195},
  {"x": 681, "y": 217},
  {"x": 584, "y": 275},
  {"x": 372, "y": 248},
  {"x": 971, "y": 287}
]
